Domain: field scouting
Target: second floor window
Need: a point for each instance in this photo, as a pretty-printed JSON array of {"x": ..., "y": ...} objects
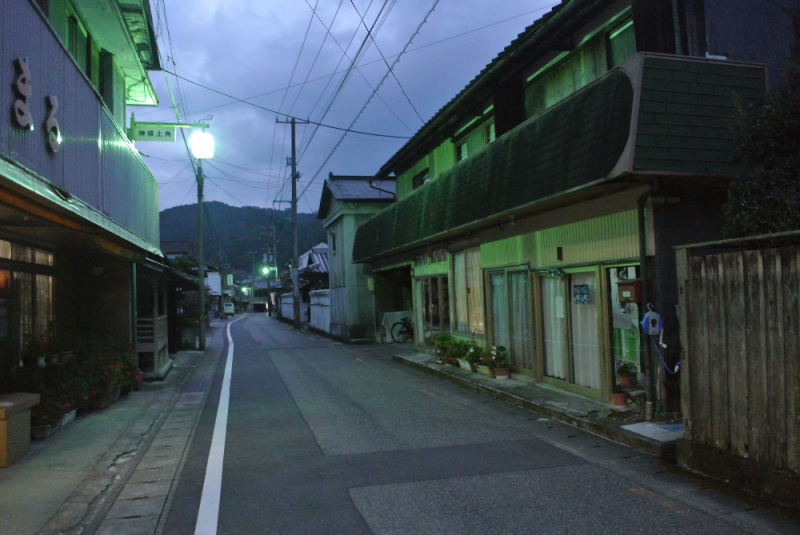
[
  {"x": 489, "y": 133},
  {"x": 462, "y": 151},
  {"x": 420, "y": 179},
  {"x": 579, "y": 68}
]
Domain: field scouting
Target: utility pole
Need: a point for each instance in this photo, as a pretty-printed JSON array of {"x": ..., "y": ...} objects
[
  {"x": 201, "y": 268},
  {"x": 273, "y": 254},
  {"x": 295, "y": 253}
]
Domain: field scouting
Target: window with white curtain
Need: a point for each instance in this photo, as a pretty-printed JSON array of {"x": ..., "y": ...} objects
[
  {"x": 469, "y": 313},
  {"x": 554, "y": 328},
  {"x": 511, "y": 315}
]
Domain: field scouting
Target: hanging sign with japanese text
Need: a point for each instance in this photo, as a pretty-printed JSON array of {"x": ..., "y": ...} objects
[{"x": 148, "y": 132}]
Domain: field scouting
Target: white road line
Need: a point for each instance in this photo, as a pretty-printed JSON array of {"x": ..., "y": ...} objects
[{"x": 208, "y": 514}]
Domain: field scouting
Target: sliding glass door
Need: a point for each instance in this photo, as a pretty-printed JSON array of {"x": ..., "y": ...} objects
[{"x": 570, "y": 329}]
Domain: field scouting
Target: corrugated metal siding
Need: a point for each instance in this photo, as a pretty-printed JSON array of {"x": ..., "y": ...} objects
[
  {"x": 504, "y": 252},
  {"x": 607, "y": 238},
  {"x": 130, "y": 193},
  {"x": 112, "y": 179},
  {"x": 21, "y": 32},
  {"x": 436, "y": 268}
]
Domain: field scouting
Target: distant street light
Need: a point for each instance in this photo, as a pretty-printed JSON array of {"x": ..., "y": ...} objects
[{"x": 202, "y": 144}]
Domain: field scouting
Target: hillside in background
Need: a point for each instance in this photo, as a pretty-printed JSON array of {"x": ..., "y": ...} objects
[{"x": 237, "y": 238}]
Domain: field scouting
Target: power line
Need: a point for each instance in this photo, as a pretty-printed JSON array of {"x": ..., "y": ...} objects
[
  {"x": 331, "y": 75},
  {"x": 242, "y": 181},
  {"x": 346, "y": 130},
  {"x": 318, "y": 54},
  {"x": 347, "y": 72},
  {"x": 163, "y": 12},
  {"x": 338, "y": 63},
  {"x": 402, "y": 89},
  {"x": 358, "y": 115},
  {"x": 246, "y": 169}
]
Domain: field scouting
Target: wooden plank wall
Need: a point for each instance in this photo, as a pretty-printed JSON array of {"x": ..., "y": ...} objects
[{"x": 740, "y": 319}]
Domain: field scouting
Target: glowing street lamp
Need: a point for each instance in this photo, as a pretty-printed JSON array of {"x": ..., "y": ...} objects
[{"x": 202, "y": 145}]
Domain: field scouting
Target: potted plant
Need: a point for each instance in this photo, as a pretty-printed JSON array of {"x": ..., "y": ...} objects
[
  {"x": 619, "y": 397},
  {"x": 488, "y": 360},
  {"x": 626, "y": 372},
  {"x": 77, "y": 389},
  {"x": 497, "y": 359},
  {"x": 54, "y": 402},
  {"x": 473, "y": 356},
  {"x": 456, "y": 353},
  {"x": 46, "y": 416},
  {"x": 442, "y": 344}
]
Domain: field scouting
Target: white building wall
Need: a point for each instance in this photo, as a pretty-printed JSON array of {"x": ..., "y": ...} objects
[{"x": 321, "y": 310}]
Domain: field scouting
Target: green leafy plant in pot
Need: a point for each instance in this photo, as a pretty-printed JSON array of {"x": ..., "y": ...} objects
[{"x": 626, "y": 373}]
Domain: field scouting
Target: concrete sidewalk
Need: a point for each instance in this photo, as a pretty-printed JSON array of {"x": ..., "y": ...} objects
[
  {"x": 626, "y": 426},
  {"x": 110, "y": 471}
]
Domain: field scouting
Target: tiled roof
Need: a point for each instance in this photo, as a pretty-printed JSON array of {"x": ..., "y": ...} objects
[
  {"x": 314, "y": 260},
  {"x": 355, "y": 189},
  {"x": 360, "y": 190}
]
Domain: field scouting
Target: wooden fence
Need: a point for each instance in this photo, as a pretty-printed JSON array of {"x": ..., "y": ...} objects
[{"x": 740, "y": 331}]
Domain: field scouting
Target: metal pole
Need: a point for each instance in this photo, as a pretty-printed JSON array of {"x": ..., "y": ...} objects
[
  {"x": 295, "y": 255},
  {"x": 201, "y": 271}
]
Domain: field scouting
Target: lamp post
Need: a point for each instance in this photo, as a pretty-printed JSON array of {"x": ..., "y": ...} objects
[{"x": 202, "y": 144}]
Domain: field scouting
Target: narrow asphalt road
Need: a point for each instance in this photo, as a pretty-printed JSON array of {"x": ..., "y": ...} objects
[{"x": 328, "y": 438}]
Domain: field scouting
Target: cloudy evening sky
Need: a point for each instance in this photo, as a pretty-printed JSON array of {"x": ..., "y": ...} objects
[{"x": 249, "y": 63}]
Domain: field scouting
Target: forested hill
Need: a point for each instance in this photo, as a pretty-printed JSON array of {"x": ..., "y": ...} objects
[{"x": 236, "y": 238}]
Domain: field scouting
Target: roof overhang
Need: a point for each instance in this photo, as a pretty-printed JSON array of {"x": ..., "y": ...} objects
[
  {"x": 34, "y": 209},
  {"x": 136, "y": 53}
]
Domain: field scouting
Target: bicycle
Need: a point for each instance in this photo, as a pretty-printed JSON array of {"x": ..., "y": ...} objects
[{"x": 402, "y": 331}]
